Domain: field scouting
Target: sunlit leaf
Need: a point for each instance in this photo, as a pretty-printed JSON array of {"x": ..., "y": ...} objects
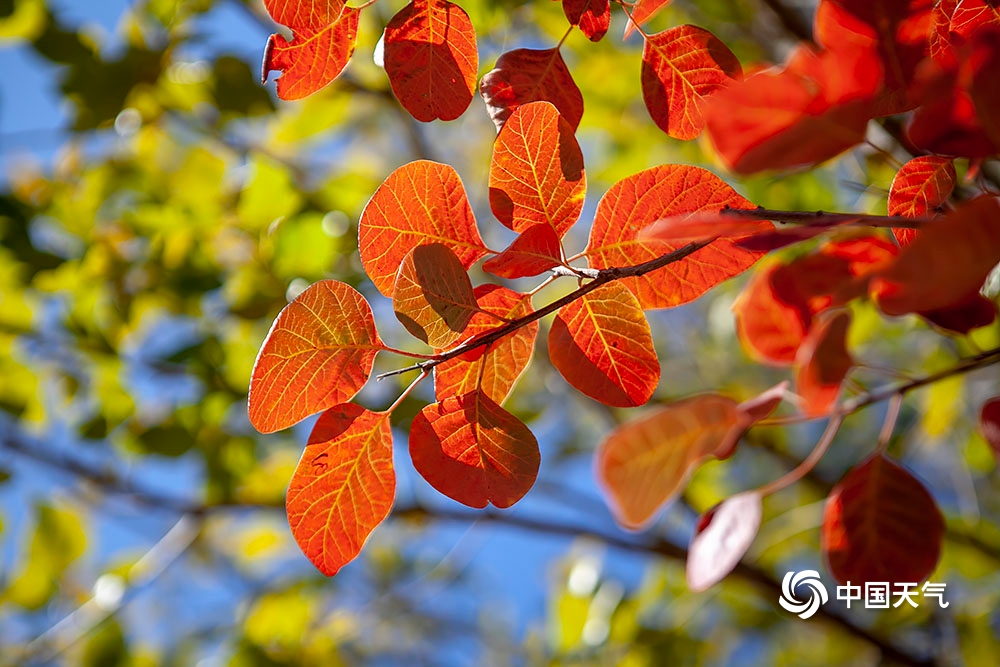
[
  {"x": 645, "y": 463},
  {"x": 319, "y": 353},
  {"x": 724, "y": 534},
  {"x": 495, "y": 369},
  {"x": 473, "y": 451},
  {"x": 536, "y": 250},
  {"x": 421, "y": 202},
  {"x": 651, "y": 195},
  {"x": 343, "y": 486},
  {"x": 528, "y": 75},
  {"x": 919, "y": 188},
  {"x": 325, "y": 34},
  {"x": 963, "y": 316},
  {"x": 431, "y": 59},
  {"x": 680, "y": 68},
  {"x": 592, "y": 16},
  {"x": 770, "y": 327},
  {"x": 989, "y": 423},
  {"x": 881, "y": 525},
  {"x": 537, "y": 175},
  {"x": 601, "y": 343},
  {"x": 433, "y": 296},
  {"x": 822, "y": 363},
  {"x": 642, "y": 11}
]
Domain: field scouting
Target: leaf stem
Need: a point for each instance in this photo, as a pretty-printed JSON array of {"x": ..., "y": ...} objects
[
  {"x": 406, "y": 392},
  {"x": 810, "y": 461},
  {"x": 407, "y": 353}
]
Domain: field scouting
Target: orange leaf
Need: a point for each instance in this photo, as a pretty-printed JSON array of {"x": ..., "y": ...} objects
[
  {"x": 946, "y": 262},
  {"x": 645, "y": 463},
  {"x": 536, "y": 174},
  {"x": 680, "y": 68},
  {"x": 473, "y": 451},
  {"x": 822, "y": 363},
  {"x": 433, "y": 296},
  {"x": 969, "y": 16},
  {"x": 592, "y": 16},
  {"x": 535, "y": 250},
  {"x": 326, "y": 32},
  {"x": 881, "y": 525},
  {"x": 602, "y": 345},
  {"x": 919, "y": 188},
  {"x": 494, "y": 371},
  {"x": 343, "y": 485},
  {"x": 529, "y": 75},
  {"x": 421, "y": 202},
  {"x": 431, "y": 59},
  {"x": 642, "y": 11},
  {"x": 724, "y": 534},
  {"x": 318, "y": 353},
  {"x": 970, "y": 313},
  {"x": 651, "y": 195},
  {"x": 770, "y": 327},
  {"x": 989, "y": 423}
]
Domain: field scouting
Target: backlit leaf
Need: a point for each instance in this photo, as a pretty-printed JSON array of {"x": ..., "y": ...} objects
[
  {"x": 770, "y": 327},
  {"x": 881, "y": 524},
  {"x": 984, "y": 77},
  {"x": 946, "y": 262},
  {"x": 473, "y": 451},
  {"x": 536, "y": 175},
  {"x": 972, "y": 312},
  {"x": 421, "y": 202},
  {"x": 642, "y": 11},
  {"x": 495, "y": 370},
  {"x": 645, "y": 463},
  {"x": 592, "y": 16},
  {"x": 822, "y": 363},
  {"x": 969, "y": 16},
  {"x": 919, "y": 188},
  {"x": 989, "y": 423},
  {"x": 536, "y": 250},
  {"x": 343, "y": 486},
  {"x": 528, "y": 75},
  {"x": 431, "y": 59},
  {"x": 602, "y": 345},
  {"x": 433, "y": 297},
  {"x": 651, "y": 195},
  {"x": 680, "y": 68},
  {"x": 325, "y": 34},
  {"x": 319, "y": 353},
  {"x": 724, "y": 534}
]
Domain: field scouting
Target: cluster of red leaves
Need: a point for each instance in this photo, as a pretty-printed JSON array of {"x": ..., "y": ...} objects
[{"x": 418, "y": 238}]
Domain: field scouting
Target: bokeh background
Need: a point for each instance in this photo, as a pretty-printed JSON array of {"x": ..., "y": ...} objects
[{"x": 158, "y": 207}]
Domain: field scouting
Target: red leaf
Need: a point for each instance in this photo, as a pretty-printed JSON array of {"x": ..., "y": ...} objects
[
  {"x": 920, "y": 188},
  {"x": 535, "y": 251},
  {"x": 602, "y": 345},
  {"x": 645, "y": 463},
  {"x": 817, "y": 106},
  {"x": 433, "y": 296},
  {"x": 431, "y": 59},
  {"x": 318, "y": 353},
  {"x": 770, "y": 326},
  {"x": 984, "y": 78},
  {"x": 724, "y": 534},
  {"x": 326, "y": 32},
  {"x": 343, "y": 485},
  {"x": 651, "y": 195},
  {"x": 762, "y": 405},
  {"x": 969, "y": 16},
  {"x": 680, "y": 68},
  {"x": 881, "y": 525},
  {"x": 642, "y": 11},
  {"x": 420, "y": 202},
  {"x": 536, "y": 175},
  {"x": 473, "y": 451},
  {"x": 989, "y": 423},
  {"x": 528, "y": 75},
  {"x": 495, "y": 370},
  {"x": 822, "y": 363},
  {"x": 947, "y": 261},
  {"x": 592, "y": 16},
  {"x": 970, "y": 313},
  {"x": 940, "y": 44}
]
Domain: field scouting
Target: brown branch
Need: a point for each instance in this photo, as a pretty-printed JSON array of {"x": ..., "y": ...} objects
[{"x": 824, "y": 219}]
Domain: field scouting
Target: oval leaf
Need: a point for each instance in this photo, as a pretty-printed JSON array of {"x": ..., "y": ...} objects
[
  {"x": 644, "y": 198},
  {"x": 433, "y": 297},
  {"x": 724, "y": 534},
  {"x": 431, "y": 59},
  {"x": 771, "y": 328},
  {"x": 602, "y": 345},
  {"x": 473, "y": 451},
  {"x": 495, "y": 370},
  {"x": 881, "y": 524},
  {"x": 326, "y": 32},
  {"x": 680, "y": 68},
  {"x": 421, "y": 202},
  {"x": 989, "y": 423},
  {"x": 642, "y": 11},
  {"x": 343, "y": 486},
  {"x": 319, "y": 353},
  {"x": 535, "y": 251},
  {"x": 919, "y": 188},
  {"x": 644, "y": 464},
  {"x": 536, "y": 175},
  {"x": 592, "y": 16},
  {"x": 528, "y": 75},
  {"x": 822, "y": 363}
]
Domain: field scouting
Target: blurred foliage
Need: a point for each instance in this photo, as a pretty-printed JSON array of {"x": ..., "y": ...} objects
[{"x": 142, "y": 262}]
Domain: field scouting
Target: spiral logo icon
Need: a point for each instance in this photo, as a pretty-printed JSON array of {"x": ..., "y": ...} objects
[{"x": 817, "y": 593}]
